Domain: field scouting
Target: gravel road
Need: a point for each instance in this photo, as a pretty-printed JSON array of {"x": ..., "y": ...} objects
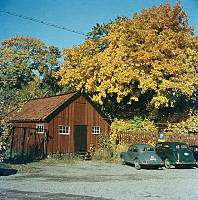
[{"x": 90, "y": 180}]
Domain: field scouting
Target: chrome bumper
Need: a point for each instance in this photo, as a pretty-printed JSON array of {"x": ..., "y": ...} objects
[{"x": 184, "y": 163}]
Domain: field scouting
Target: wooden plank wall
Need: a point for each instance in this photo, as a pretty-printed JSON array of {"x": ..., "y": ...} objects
[
  {"x": 30, "y": 140},
  {"x": 79, "y": 112}
]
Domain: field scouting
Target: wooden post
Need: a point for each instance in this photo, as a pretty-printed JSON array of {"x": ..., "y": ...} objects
[
  {"x": 45, "y": 143},
  {"x": 12, "y": 141},
  {"x": 23, "y": 143}
]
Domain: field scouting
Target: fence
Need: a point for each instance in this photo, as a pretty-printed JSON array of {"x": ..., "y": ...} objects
[
  {"x": 153, "y": 138},
  {"x": 191, "y": 139}
]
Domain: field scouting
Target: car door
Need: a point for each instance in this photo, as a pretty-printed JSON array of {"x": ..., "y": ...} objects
[
  {"x": 134, "y": 154},
  {"x": 130, "y": 154},
  {"x": 167, "y": 152},
  {"x": 159, "y": 150}
]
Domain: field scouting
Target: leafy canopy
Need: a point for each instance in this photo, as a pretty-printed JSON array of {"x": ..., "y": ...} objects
[
  {"x": 22, "y": 59},
  {"x": 155, "y": 51},
  {"x": 27, "y": 66}
]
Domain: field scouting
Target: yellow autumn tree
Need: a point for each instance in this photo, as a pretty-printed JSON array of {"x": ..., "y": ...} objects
[
  {"x": 154, "y": 51},
  {"x": 189, "y": 125}
]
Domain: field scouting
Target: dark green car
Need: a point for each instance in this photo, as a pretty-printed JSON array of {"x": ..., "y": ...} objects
[
  {"x": 175, "y": 154},
  {"x": 141, "y": 155}
]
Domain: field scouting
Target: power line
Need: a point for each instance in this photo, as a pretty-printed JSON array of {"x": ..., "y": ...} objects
[{"x": 41, "y": 22}]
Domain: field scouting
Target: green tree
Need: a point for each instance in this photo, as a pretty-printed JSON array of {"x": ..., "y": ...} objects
[
  {"x": 27, "y": 66},
  {"x": 24, "y": 58}
]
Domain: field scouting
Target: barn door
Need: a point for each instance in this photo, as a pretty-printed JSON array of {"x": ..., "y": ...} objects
[{"x": 80, "y": 138}]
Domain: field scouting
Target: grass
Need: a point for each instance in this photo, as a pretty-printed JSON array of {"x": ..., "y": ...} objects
[
  {"x": 57, "y": 161},
  {"x": 110, "y": 154},
  {"x": 25, "y": 168},
  {"x": 22, "y": 168},
  {"x": 69, "y": 158}
]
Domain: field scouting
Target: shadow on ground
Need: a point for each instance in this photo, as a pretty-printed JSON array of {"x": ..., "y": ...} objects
[
  {"x": 7, "y": 172},
  {"x": 22, "y": 195}
]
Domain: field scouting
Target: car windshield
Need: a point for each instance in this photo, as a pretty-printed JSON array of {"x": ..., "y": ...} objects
[
  {"x": 148, "y": 149},
  {"x": 181, "y": 146}
]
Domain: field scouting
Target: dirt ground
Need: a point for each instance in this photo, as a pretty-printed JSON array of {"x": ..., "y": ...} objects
[{"x": 90, "y": 180}]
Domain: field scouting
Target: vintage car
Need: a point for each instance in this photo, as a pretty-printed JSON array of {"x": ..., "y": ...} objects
[
  {"x": 141, "y": 155},
  {"x": 175, "y": 154},
  {"x": 194, "y": 149}
]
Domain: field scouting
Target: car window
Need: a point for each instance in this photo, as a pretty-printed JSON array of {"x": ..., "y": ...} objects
[
  {"x": 131, "y": 148},
  {"x": 148, "y": 149},
  {"x": 159, "y": 146},
  {"x": 181, "y": 146},
  {"x": 135, "y": 149},
  {"x": 195, "y": 149},
  {"x": 166, "y": 146}
]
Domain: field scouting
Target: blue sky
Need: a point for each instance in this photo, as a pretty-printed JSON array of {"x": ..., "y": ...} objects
[{"x": 79, "y": 15}]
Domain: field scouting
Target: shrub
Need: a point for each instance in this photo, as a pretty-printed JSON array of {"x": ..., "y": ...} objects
[
  {"x": 107, "y": 150},
  {"x": 5, "y": 139}
]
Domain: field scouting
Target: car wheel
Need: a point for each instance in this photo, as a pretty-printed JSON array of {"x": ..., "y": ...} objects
[
  {"x": 137, "y": 164},
  {"x": 122, "y": 161},
  {"x": 167, "y": 163}
]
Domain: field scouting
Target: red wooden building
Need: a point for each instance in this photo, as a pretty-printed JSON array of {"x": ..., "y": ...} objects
[{"x": 69, "y": 123}]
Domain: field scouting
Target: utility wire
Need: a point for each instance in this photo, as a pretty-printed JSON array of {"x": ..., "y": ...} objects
[{"x": 41, "y": 22}]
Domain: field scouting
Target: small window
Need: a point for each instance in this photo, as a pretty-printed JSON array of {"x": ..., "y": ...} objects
[
  {"x": 96, "y": 130},
  {"x": 65, "y": 130},
  {"x": 40, "y": 128},
  {"x": 148, "y": 149},
  {"x": 181, "y": 146}
]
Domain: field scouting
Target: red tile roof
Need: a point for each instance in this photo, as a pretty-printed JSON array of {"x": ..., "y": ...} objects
[{"x": 39, "y": 109}]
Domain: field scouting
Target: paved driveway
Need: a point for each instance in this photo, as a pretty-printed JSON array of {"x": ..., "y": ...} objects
[{"x": 94, "y": 180}]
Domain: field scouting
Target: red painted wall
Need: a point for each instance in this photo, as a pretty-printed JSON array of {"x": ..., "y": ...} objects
[{"x": 79, "y": 112}]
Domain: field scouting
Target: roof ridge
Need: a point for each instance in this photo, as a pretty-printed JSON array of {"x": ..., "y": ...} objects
[{"x": 51, "y": 96}]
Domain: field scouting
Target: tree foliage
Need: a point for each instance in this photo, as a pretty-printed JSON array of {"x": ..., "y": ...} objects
[
  {"x": 189, "y": 125},
  {"x": 24, "y": 58},
  {"x": 153, "y": 54},
  {"x": 101, "y": 30},
  {"x": 27, "y": 66}
]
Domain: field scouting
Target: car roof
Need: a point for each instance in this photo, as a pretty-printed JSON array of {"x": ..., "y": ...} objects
[
  {"x": 142, "y": 145},
  {"x": 172, "y": 143},
  {"x": 194, "y": 146}
]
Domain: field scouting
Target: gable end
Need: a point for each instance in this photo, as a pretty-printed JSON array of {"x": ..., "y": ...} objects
[{"x": 61, "y": 107}]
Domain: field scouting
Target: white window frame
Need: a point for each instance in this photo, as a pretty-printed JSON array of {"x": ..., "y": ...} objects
[
  {"x": 39, "y": 129},
  {"x": 96, "y": 130},
  {"x": 63, "y": 130}
]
